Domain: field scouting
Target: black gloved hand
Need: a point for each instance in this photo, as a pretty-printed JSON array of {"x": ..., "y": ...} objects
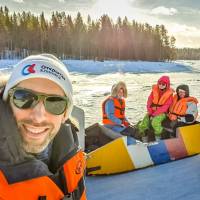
[
  {"x": 189, "y": 118},
  {"x": 15, "y": 163}
]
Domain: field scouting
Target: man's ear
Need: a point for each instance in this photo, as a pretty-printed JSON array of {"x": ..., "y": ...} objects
[{"x": 65, "y": 117}]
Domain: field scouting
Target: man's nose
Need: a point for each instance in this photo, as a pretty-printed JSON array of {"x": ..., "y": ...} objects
[{"x": 38, "y": 113}]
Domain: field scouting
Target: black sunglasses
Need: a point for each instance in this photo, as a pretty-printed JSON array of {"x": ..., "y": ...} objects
[{"x": 24, "y": 99}]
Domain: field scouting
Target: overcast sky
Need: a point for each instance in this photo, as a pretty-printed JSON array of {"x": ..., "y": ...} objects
[{"x": 180, "y": 17}]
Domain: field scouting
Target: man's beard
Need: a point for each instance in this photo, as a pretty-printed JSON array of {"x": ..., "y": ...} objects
[{"x": 32, "y": 146}]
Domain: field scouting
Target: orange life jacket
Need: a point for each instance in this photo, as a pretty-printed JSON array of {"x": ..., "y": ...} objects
[
  {"x": 69, "y": 176},
  {"x": 119, "y": 111},
  {"x": 179, "y": 107},
  {"x": 157, "y": 100}
]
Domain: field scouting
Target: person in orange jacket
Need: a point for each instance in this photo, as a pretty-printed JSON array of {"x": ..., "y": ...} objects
[
  {"x": 39, "y": 154},
  {"x": 158, "y": 104},
  {"x": 113, "y": 111},
  {"x": 183, "y": 111}
]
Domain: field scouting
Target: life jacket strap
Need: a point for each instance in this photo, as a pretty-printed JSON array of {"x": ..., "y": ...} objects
[
  {"x": 120, "y": 109},
  {"x": 118, "y": 118},
  {"x": 176, "y": 114},
  {"x": 42, "y": 198},
  {"x": 78, "y": 192},
  {"x": 155, "y": 105}
]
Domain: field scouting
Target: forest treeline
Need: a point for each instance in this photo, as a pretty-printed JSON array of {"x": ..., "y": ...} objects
[
  {"x": 188, "y": 54},
  {"x": 25, "y": 33}
]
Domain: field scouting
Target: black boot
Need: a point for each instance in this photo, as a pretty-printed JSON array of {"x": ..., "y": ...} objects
[
  {"x": 165, "y": 134},
  {"x": 133, "y": 132},
  {"x": 151, "y": 135}
]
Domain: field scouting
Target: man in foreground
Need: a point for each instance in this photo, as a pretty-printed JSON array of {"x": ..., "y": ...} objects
[{"x": 39, "y": 155}]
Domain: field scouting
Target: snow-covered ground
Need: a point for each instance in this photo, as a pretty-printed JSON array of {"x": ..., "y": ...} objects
[
  {"x": 97, "y": 67},
  {"x": 92, "y": 81}
]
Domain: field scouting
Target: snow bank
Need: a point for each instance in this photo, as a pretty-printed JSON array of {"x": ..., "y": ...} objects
[{"x": 97, "y": 67}]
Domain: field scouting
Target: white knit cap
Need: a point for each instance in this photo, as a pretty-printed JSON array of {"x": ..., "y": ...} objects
[{"x": 41, "y": 66}]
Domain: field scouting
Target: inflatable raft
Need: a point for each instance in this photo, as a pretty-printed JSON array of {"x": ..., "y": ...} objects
[{"x": 110, "y": 153}]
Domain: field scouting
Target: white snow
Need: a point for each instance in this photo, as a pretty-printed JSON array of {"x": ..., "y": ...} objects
[
  {"x": 92, "y": 82},
  {"x": 97, "y": 67}
]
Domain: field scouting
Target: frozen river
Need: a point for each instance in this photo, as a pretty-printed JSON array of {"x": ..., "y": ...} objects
[{"x": 90, "y": 89}]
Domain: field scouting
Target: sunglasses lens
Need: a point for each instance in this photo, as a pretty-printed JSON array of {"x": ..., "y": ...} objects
[
  {"x": 55, "y": 104},
  {"x": 24, "y": 99}
]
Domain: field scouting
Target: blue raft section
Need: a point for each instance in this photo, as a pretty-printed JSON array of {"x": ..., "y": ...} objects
[{"x": 170, "y": 181}]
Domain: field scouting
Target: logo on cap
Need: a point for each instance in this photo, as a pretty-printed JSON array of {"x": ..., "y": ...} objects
[{"x": 28, "y": 69}]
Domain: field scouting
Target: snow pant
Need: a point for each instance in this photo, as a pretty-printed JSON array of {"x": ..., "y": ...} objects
[{"x": 154, "y": 122}]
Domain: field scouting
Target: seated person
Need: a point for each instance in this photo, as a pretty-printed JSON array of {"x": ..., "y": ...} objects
[
  {"x": 158, "y": 104},
  {"x": 183, "y": 110},
  {"x": 113, "y": 109}
]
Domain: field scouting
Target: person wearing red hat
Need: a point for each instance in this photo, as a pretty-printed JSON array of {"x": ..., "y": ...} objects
[{"x": 158, "y": 104}]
